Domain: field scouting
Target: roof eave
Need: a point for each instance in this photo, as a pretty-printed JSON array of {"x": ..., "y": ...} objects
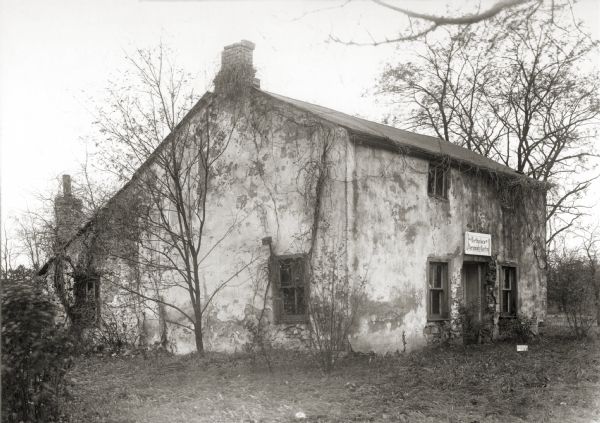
[{"x": 389, "y": 145}]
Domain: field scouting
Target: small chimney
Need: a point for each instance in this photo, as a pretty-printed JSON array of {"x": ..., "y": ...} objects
[
  {"x": 68, "y": 213},
  {"x": 66, "y": 182},
  {"x": 237, "y": 67},
  {"x": 237, "y": 54}
]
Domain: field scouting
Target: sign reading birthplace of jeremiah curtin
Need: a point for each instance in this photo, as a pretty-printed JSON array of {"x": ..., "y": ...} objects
[{"x": 478, "y": 244}]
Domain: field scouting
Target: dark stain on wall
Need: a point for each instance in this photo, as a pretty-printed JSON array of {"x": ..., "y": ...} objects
[
  {"x": 355, "y": 192},
  {"x": 411, "y": 234},
  {"x": 399, "y": 182},
  {"x": 399, "y": 214},
  {"x": 379, "y": 314}
]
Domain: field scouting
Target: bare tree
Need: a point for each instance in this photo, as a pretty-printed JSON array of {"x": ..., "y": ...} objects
[
  {"x": 89, "y": 186},
  {"x": 35, "y": 237},
  {"x": 419, "y": 24},
  {"x": 164, "y": 211},
  {"x": 7, "y": 255},
  {"x": 521, "y": 100},
  {"x": 30, "y": 244},
  {"x": 143, "y": 107},
  {"x": 590, "y": 247}
]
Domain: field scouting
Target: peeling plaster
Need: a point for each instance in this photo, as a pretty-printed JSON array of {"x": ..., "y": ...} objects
[
  {"x": 379, "y": 208},
  {"x": 395, "y": 234}
]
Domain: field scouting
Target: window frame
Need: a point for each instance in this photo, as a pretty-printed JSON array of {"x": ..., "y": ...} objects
[
  {"x": 87, "y": 296},
  {"x": 280, "y": 316},
  {"x": 513, "y": 290},
  {"x": 445, "y": 311},
  {"x": 434, "y": 171}
]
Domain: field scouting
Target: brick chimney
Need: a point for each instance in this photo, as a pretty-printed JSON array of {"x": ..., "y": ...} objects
[
  {"x": 67, "y": 212},
  {"x": 237, "y": 67}
]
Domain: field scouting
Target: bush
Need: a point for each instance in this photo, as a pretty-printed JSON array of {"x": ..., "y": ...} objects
[
  {"x": 579, "y": 311},
  {"x": 519, "y": 328},
  {"x": 35, "y": 355},
  {"x": 334, "y": 304},
  {"x": 118, "y": 329},
  {"x": 470, "y": 324},
  {"x": 571, "y": 290}
]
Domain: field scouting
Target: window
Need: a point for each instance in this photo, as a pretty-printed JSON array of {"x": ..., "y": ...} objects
[
  {"x": 437, "y": 180},
  {"x": 438, "y": 291},
  {"x": 86, "y": 292},
  {"x": 290, "y": 288},
  {"x": 90, "y": 291},
  {"x": 508, "y": 291}
]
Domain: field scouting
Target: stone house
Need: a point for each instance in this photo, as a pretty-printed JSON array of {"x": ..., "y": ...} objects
[{"x": 429, "y": 231}]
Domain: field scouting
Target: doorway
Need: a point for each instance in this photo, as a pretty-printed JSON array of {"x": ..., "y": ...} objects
[{"x": 473, "y": 280}]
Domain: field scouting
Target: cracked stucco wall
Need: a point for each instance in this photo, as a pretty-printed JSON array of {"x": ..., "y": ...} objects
[
  {"x": 375, "y": 207},
  {"x": 265, "y": 191},
  {"x": 396, "y": 227}
]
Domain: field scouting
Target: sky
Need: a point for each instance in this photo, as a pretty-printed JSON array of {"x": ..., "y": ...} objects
[{"x": 57, "y": 58}]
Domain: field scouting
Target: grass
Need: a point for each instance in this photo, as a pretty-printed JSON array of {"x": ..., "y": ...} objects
[{"x": 557, "y": 380}]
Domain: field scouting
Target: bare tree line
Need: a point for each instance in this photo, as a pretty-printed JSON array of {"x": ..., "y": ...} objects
[
  {"x": 420, "y": 24},
  {"x": 521, "y": 98}
]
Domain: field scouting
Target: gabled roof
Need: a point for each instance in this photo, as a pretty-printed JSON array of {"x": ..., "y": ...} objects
[
  {"x": 205, "y": 99},
  {"x": 382, "y": 136},
  {"x": 398, "y": 139}
]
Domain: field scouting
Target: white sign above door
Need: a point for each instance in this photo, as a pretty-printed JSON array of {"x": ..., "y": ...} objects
[{"x": 478, "y": 244}]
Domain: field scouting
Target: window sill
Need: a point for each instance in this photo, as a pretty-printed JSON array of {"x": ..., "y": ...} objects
[
  {"x": 438, "y": 319},
  {"x": 294, "y": 319},
  {"x": 439, "y": 198}
]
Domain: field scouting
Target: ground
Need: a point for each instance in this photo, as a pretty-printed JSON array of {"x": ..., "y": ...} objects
[{"x": 557, "y": 380}]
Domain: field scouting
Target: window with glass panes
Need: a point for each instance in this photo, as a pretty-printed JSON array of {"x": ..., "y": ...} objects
[
  {"x": 438, "y": 291},
  {"x": 508, "y": 291},
  {"x": 290, "y": 288},
  {"x": 437, "y": 180}
]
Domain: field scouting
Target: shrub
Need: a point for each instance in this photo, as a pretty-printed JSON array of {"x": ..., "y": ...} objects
[
  {"x": 334, "y": 305},
  {"x": 469, "y": 323},
  {"x": 519, "y": 328},
  {"x": 260, "y": 342},
  {"x": 118, "y": 329},
  {"x": 579, "y": 311},
  {"x": 35, "y": 355},
  {"x": 572, "y": 291}
]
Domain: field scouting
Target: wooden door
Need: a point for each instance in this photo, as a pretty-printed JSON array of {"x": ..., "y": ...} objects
[{"x": 473, "y": 284}]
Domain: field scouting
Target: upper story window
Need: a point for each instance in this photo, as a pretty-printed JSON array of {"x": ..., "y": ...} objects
[
  {"x": 437, "y": 307},
  {"x": 508, "y": 291},
  {"x": 437, "y": 180},
  {"x": 290, "y": 288}
]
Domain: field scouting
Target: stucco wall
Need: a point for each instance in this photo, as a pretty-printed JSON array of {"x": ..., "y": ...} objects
[
  {"x": 266, "y": 188},
  {"x": 396, "y": 227},
  {"x": 374, "y": 212}
]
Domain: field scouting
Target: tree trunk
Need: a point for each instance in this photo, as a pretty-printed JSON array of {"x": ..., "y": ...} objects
[
  {"x": 596, "y": 288},
  {"x": 597, "y": 304},
  {"x": 198, "y": 336},
  {"x": 162, "y": 323}
]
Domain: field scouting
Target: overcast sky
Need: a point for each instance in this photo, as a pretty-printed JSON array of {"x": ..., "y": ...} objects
[{"x": 56, "y": 58}]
